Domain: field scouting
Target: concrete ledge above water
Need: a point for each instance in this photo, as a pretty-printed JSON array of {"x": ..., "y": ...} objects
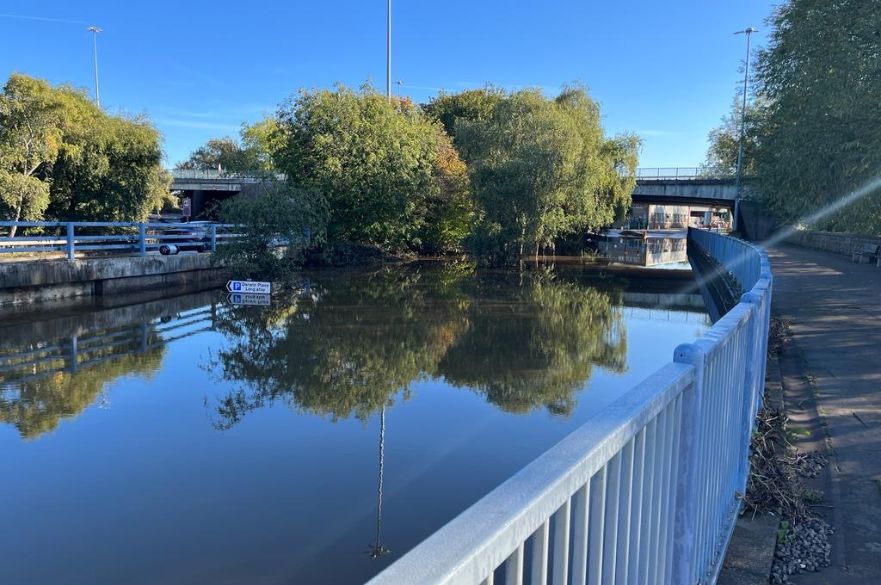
[{"x": 26, "y": 282}]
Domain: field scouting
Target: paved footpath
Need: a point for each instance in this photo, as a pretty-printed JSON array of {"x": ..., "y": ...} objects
[{"x": 831, "y": 371}]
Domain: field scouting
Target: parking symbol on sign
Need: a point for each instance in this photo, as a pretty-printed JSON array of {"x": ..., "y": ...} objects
[{"x": 237, "y": 286}]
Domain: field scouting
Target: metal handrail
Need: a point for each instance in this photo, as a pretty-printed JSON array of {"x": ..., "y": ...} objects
[
  {"x": 215, "y": 175},
  {"x": 682, "y": 173},
  {"x": 646, "y": 492},
  {"x": 149, "y": 236}
]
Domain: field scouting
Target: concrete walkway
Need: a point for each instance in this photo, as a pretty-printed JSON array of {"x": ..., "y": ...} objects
[{"x": 831, "y": 371}]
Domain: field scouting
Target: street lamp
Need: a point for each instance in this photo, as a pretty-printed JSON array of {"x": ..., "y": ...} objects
[
  {"x": 95, "y": 30},
  {"x": 388, "y": 51},
  {"x": 748, "y": 32}
]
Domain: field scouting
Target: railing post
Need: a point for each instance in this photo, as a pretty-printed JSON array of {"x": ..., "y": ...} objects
[
  {"x": 753, "y": 386},
  {"x": 70, "y": 241},
  {"x": 142, "y": 238},
  {"x": 687, "y": 492},
  {"x": 213, "y": 237}
]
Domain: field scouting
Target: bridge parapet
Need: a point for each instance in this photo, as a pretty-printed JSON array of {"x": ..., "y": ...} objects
[{"x": 646, "y": 492}]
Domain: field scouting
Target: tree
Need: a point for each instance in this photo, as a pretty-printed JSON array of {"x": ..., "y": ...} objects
[
  {"x": 277, "y": 214},
  {"x": 62, "y": 156},
  {"x": 821, "y": 137},
  {"x": 108, "y": 169},
  {"x": 260, "y": 141},
  {"x": 219, "y": 154},
  {"x": 541, "y": 169},
  {"x": 30, "y": 136},
  {"x": 449, "y": 208},
  {"x": 475, "y": 105},
  {"x": 724, "y": 141},
  {"x": 371, "y": 160}
]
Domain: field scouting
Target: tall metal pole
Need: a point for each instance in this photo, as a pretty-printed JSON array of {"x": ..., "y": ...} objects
[
  {"x": 748, "y": 32},
  {"x": 95, "y": 30},
  {"x": 388, "y": 52}
]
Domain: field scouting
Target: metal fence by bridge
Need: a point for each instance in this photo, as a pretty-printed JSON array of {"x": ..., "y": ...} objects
[
  {"x": 644, "y": 493},
  {"x": 111, "y": 237},
  {"x": 680, "y": 173}
]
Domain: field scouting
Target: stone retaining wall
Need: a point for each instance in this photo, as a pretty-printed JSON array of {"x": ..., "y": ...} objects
[{"x": 838, "y": 243}]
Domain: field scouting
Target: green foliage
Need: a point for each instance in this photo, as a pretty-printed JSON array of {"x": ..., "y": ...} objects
[
  {"x": 822, "y": 134},
  {"x": 542, "y": 169},
  {"x": 63, "y": 157},
  {"x": 261, "y": 140},
  {"x": 373, "y": 161},
  {"x": 476, "y": 105},
  {"x": 29, "y": 140},
  {"x": 108, "y": 169},
  {"x": 725, "y": 140},
  {"x": 278, "y": 214},
  {"x": 252, "y": 154},
  {"x": 220, "y": 154},
  {"x": 449, "y": 208}
]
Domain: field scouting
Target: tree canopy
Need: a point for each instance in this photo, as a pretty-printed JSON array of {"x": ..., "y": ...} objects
[
  {"x": 63, "y": 157},
  {"x": 542, "y": 168},
  {"x": 725, "y": 141},
  {"x": 821, "y": 134},
  {"x": 252, "y": 153},
  {"x": 371, "y": 160}
]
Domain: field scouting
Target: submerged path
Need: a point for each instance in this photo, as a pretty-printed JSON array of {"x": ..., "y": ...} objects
[{"x": 832, "y": 380}]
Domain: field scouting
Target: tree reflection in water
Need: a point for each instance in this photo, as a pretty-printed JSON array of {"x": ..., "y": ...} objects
[
  {"x": 35, "y": 401},
  {"x": 525, "y": 341}
]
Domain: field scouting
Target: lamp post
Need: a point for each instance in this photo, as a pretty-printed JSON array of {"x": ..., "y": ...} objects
[
  {"x": 748, "y": 32},
  {"x": 388, "y": 51},
  {"x": 95, "y": 30}
]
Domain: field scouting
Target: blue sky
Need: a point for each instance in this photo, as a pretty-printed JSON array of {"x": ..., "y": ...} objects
[{"x": 665, "y": 70}]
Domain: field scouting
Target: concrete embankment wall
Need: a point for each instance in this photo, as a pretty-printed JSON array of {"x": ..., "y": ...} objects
[
  {"x": 27, "y": 282},
  {"x": 838, "y": 243}
]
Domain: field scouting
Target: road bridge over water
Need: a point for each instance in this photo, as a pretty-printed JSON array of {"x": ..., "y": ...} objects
[{"x": 674, "y": 185}]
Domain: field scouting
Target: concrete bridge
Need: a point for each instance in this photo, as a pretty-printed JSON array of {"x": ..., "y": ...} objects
[{"x": 206, "y": 188}]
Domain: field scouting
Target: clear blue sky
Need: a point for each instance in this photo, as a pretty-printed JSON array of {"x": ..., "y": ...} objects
[{"x": 665, "y": 70}]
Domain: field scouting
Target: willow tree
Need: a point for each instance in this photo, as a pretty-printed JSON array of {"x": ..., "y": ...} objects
[
  {"x": 821, "y": 77},
  {"x": 542, "y": 169}
]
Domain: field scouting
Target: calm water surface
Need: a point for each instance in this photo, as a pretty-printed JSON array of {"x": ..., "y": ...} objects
[{"x": 189, "y": 441}]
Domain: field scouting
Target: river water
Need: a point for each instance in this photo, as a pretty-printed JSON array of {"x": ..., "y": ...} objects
[{"x": 186, "y": 440}]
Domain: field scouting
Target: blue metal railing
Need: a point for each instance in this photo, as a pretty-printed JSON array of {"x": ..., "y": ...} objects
[
  {"x": 647, "y": 492},
  {"x": 127, "y": 238}
]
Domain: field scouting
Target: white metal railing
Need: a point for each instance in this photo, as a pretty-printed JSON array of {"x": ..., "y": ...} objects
[
  {"x": 216, "y": 175},
  {"x": 111, "y": 237},
  {"x": 644, "y": 493},
  {"x": 666, "y": 173}
]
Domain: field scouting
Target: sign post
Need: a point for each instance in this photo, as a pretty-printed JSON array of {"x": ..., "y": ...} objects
[{"x": 249, "y": 287}]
